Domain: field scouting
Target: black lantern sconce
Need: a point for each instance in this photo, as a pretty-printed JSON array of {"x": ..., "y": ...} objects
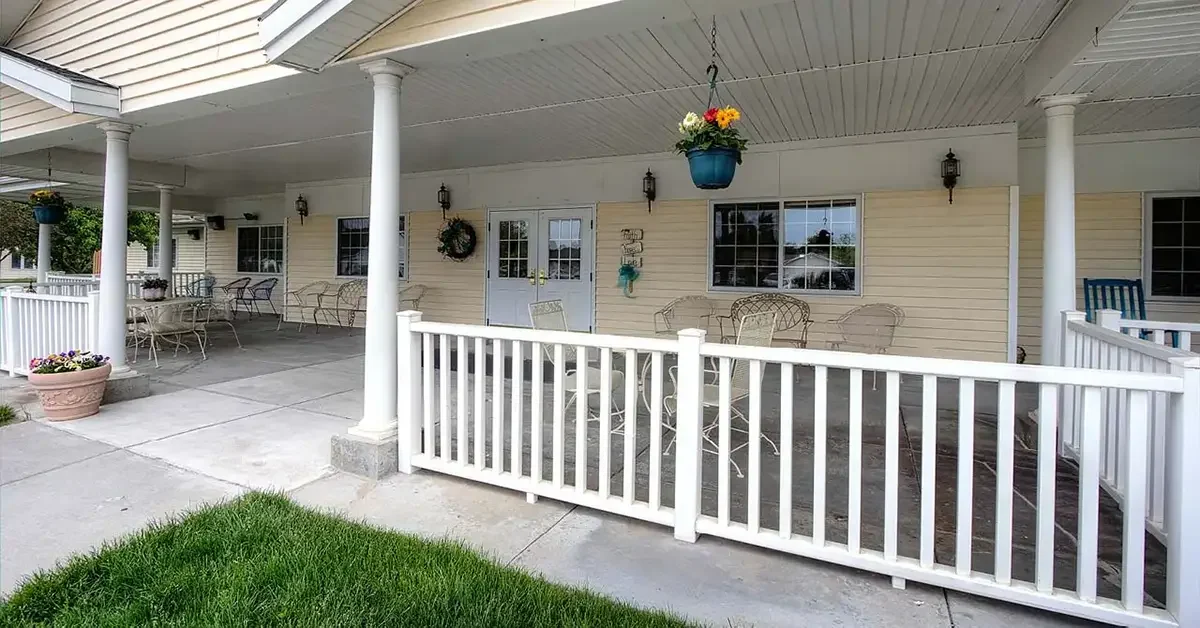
[
  {"x": 950, "y": 173},
  {"x": 301, "y": 207},
  {"x": 649, "y": 190},
  {"x": 443, "y": 199}
]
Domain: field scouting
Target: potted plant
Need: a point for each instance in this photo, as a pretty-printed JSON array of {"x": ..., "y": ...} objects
[
  {"x": 70, "y": 384},
  {"x": 713, "y": 146},
  {"x": 49, "y": 208},
  {"x": 155, "y": 289}
]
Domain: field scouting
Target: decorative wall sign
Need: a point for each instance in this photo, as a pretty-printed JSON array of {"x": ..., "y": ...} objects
[{"x": 631, "y": 259}]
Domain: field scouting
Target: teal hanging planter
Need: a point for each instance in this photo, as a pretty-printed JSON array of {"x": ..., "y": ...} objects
[
  {"x": 49, "y": 214},
  {"x": 712, "y": 168}
]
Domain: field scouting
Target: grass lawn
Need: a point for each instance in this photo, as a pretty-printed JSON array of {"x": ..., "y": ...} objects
[{"x": 262, "y": 560}]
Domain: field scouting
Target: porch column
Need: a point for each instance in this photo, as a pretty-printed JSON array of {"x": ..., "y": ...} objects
[
  {"x": 166, "y": 258},
  {"x": 1058, "y": 243},
  {"x": 383, "y": 255},
  {"x": 43, "y": 257},
  {"x": 111, "y": 330}
]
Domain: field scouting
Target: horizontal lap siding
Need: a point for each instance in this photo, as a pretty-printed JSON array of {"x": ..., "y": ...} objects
[
  {"x": 221, "y": 258},
  {"x": 156, "y": 51},
  {"x": 945, "y": 265},
  {"x": 191, "y": 254},
  {"x": 1108, "y": 244}
]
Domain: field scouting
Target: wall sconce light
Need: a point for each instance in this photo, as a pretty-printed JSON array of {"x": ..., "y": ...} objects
[
  {"x": 216, "y": 223},
  {"x": 193, "y": 234},
  {"x": 443, "y": 199},
  {"x": 950, "y": 173},
  {"x": 301, "y": 207},
  {"x": 649, "y": 190},
  {"x": 250, "y": 216}
]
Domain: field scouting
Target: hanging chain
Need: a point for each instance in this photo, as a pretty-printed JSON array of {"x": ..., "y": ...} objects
[
  {"x": 712, "y": 66},
  {"x": 49, "y": 172}
]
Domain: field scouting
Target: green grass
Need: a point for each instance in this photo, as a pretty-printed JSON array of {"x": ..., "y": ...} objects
[
  {"x": 262, "y": 560},
  {"x": 7, "y": 414}
]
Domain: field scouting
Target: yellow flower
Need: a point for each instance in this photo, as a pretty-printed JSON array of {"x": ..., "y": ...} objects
[
  {"x": 733, "y": 114},
  {"x": 724, "y": 119}
]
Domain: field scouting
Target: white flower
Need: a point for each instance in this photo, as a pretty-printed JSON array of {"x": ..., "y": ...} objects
[{"x": 691, "y": 122}]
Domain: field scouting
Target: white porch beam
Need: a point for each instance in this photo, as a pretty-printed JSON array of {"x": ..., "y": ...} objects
[
  {"x": 1075, "y": 29},
  {"x": 94, "y": 164},
  {"x": 383, "y": 255},
  {"x": 1058, "y": 243},
  {"x": 166, "y": 258},
  {"x": 111, "y": 331},
  {"x": 43, "y": 256},
  {"x": 70, "y": 91}
]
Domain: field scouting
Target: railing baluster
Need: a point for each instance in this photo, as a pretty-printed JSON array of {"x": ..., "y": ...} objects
[
  {"x": 820, "y": 411},
  {"x": 605, "y": 453},
  {"x": 518, "y": 413},
  {"x": 755, "y": 445},
  {"x": 462, "y": 400},
  {"x": 854, "y": 530},
  {"x": 581, "y": 417},
  {"x": 1185, "y": 340},
  {"x": 498, "y": 405},
  {"x": 535, "y": 412},
  {"x": 1089, "y": 494},
  {"x": 1134, "y": 542},
  {"x": 891, "y": 456},
  {"x": 1160, "y": 336},
  {"x": 656, "y": 391},
  {"x": 966, "y": 464},
  {"x": 628, "y": 472},
  {"x": 723, "y": 440},
  {"x": 444, "y": 396},
  {"x": 1005, "y": 421},
  {"x": 427, "y": 381},
  {"x": 785, "y": 449},
  {"x": 558, "y": 429},
  {"x": 480, "y": 385},
  {"x": 928, "y": 467},
  {"x": 1047, "y": 461}
]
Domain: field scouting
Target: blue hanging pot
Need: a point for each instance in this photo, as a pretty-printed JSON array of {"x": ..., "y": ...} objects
[
  {"x": 49, "y": 214},
  {"x": 712, "y": 168}
]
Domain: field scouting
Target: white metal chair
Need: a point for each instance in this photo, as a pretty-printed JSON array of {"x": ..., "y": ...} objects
[
  {"x": 692, "y": 311},
  {"x": 303, "y": 298},
  {"x": 410, "y": 297},
  {"x": 351, "y": 298},
  {"x": 549, "y": 315},
  {"x": 211, "y": 313},
  {"x": 169, "y": 322},
  {"x": 868, "y": 328},
  {"x": 754, "y": 330}
]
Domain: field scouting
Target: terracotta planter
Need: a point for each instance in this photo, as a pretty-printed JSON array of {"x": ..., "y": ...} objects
[{"x": 74, "y": 395}]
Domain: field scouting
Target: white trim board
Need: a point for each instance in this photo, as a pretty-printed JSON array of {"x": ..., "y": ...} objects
[{"x": 70, "y": 91}]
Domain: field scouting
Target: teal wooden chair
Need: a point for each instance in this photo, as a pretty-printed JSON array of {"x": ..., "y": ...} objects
[{"x": 1124, "y": 295}]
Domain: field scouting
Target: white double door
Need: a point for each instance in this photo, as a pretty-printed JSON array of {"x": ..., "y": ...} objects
[{"x": 540, "y": 255}]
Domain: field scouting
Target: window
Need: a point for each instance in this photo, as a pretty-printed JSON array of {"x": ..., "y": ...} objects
[
  {"x": 260, "y": 249},
  {"x": 1173, "y": 246},
  {"x": 353, "y": 236},
  {"x": 21, "y": 263},
  {"x": 152, "y": 254},
  {"x": 807, "y": 246}
]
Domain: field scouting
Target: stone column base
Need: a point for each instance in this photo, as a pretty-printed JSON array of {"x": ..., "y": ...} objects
[
  {"x": 360, "y": 456},
  {"x": 126, "y": 386}
]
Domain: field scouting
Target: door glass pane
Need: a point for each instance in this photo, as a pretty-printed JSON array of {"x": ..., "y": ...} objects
[
  {"x": 565, "y": 248},
  {"x": 514, "y": 249}
]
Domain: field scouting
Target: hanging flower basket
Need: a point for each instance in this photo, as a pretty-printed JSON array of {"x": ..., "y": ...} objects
[
  {"x": 713, "y": 147},
  {"x": 49, "y": 208}
]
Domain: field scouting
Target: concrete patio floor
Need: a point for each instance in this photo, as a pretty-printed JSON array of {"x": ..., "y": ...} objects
[{"x": 262, "y": 418}]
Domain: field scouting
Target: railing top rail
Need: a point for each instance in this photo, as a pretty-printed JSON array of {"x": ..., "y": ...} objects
[
  {"x": 1163, "y": 325},
  {"x": 1137, "y": 345},
  {"x": 603, "y": 341},
  {"x": 44, "y": 297},
  {"x": 952, "y": 368}
]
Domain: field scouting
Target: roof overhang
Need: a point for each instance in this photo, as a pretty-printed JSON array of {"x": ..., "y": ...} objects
[
  {"x": 70, "y": 91},
  {"x": 311, "y": 34}
]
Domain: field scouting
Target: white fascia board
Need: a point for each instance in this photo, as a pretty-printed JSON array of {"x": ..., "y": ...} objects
[
  {"x": 293, "y": 20},
  {"x": 62, "y": 92}
]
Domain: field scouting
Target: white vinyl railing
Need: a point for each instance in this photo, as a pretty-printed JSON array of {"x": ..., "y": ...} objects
[
  {"x": 81, "y": 285},
  {"x": 1104, "y": 346},
  {"x": 1168, "y": 333},
  {"x": 183, "y": 282},
  {"x": 456, "y": 418},
  {"x": 35, "y": 325}
]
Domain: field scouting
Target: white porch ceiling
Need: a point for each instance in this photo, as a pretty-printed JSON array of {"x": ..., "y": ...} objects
[{"x": 800, "y": 69}]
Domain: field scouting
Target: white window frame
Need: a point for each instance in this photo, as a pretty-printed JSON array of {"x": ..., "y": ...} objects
[
  {"x": 1147, "y": 241},
  {"x": 25, "y": 262},
  {"x": 174, "y": 254},
  {"x": 404, "y": 268},
  {"x": 858, "y": 246},
  {"x": 283, "y": 250}
]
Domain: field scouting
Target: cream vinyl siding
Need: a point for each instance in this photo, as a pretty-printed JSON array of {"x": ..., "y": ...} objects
[
  {"x": 156, "y": 51},
  {"x": 8, "y": 272},
  {"x": 441, "y": 19},
  {"x": 454, "y": 290},
  {"x": 1108, "y": 245},
  {"x": 189, "y": 251},
  {"x": 945, "y": 265},
  {"x": 221, "y": 256}
]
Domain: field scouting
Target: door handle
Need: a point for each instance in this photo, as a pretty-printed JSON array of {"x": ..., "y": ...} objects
[
  {"x": 541, "y": 277},
  {"x": 532, "y": 280}
]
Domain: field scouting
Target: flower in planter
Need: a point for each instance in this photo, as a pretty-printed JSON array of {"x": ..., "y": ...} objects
[
  {"x": 47, "y": 198},
  {"x": 67, "y": 362},
  {"x": 155, "y": 283},
  {"x": 712, "y": 130}
]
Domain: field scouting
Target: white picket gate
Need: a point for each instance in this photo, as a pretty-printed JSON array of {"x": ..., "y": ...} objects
[
  {"x": 35, "y": 325},
  {"x": 447, "y": 424}
]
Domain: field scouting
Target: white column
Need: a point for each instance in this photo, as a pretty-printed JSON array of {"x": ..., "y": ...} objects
[
  {"x": 43, "y": 258},
  {"x": 166, "y": 259},
  {"x": 383, "y": 257},
  {"x": 112, "y": 244},
  {"x": 1058, "y": 244}
]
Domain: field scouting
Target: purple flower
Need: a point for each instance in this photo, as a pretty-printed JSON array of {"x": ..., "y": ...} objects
[{"x": 71, "y": 353}]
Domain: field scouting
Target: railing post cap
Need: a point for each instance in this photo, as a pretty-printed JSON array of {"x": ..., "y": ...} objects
[
  {"x": 1187, "y": 362},
  {"x": 1074, "y": 314},
  {"x": 412, "y": 315},
  {"x": 693, "y": 333}
]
